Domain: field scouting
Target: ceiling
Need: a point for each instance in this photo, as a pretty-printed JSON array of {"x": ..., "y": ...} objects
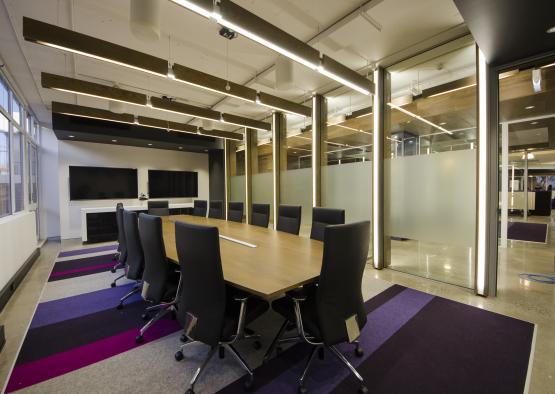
[
  {"x": 337, "y": 28},
  {"x": 510, "y": 30}
]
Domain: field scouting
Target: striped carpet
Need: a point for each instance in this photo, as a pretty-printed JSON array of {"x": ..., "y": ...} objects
[{"x": 413, "y": 343}]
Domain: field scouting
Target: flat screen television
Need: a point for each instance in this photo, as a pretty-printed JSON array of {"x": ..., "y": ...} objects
[
  {"x": 165, "y": 184},
  {"x": 101, "y": 183}
]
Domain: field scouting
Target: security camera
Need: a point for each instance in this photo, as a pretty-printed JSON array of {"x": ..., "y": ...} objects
[{"x": 227, "y": 33}]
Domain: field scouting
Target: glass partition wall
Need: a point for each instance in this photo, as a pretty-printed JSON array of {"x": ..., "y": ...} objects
[
  {"x": 430, "y": 164},
  {"x": 347, "y": 157}
]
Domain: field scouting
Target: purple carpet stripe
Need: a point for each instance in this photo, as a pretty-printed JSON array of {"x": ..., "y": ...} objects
[
  {"x": 34, "y": 372},
  {"x": 80, "y": 305},
  {"x": 77, "y": 252},
  {"x": 80, "y": 270},
  {"x": 382, "y": 324}
]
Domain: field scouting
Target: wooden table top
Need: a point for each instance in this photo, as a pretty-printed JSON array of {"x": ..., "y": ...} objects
[{"x": 280, "y": 261}]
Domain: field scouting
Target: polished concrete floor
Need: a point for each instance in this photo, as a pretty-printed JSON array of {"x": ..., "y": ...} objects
[{"x": 534, "y": 302}]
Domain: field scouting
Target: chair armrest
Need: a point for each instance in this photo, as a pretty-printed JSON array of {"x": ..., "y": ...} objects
[{"x": 298, "y": 294}]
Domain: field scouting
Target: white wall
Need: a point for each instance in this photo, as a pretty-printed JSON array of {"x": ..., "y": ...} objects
[
  {"x": 103, "y": 155},
  {"x": 49, "y": 204},
  {"x": 17, "y": 242}
]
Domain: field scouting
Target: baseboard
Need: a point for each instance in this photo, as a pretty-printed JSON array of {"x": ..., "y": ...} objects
[{"x": 15, "y": 281}]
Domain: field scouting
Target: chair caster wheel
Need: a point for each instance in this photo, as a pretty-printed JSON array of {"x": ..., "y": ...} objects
[
  {"x": 145, "y": 316},
  {"x": 359, "y": 352},
  {"x": 302, "y": 390},
  {"x": 363, "y": 390},
  {"x": 248, "y": 383},
  {"x": 321, "y": 353},
  {"x": 113, "y": 270},
  {"x": 120, "y": 306},
  {"x": 190, "y": 391},
  {"x": 113, "y": 284},
  {"x": 183, "y": 338},
  {"x": 178, "y": 357},
  {"x": 221, "y": 352},
  {"x": 257, "y": 345},
  {"x": 139, "y": 339}
]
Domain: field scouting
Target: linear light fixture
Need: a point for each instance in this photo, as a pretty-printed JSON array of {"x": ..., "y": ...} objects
[
  {"x": 419, "y": 118},
  {"x": 77, "y": 86},
  {"x": 101, "y": 114},
  {"x": 68, "y": 40},
  {"x": 280, "y": 104},
  {"x": 92, "y": 89},
  {"x": 450, "y": 87},
  {"x": 234, "y": 17}
]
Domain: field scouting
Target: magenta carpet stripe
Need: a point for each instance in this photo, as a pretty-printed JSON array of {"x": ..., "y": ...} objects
[
  {"x": 77, "y": 270},
  {"x": 46, "y": 368}
]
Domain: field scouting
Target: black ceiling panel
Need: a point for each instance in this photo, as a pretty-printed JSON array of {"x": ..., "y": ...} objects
[{"x": 510, "y": 30}]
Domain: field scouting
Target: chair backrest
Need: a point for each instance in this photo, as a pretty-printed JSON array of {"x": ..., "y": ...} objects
[
  {"x": 159, "y": 211},
  {"x": 199, "y": 208},
  {"x": 216, "y": 210},
  {"x": 158, "y": 204},
  {"x": 159, "y": 208},
  {"x": 135, "y": 259},
  {"x": 339, "y": 294},
  {"x": 204, "y": 294},
  {"x": 122, "y": 248},
  {"x": 235, "y": 212},
  {"x": 260, "y": 215},
  {"x": 157, "y": 269},
  {"x": 289, "y": 219},
  {"x": 323, "y": 217}
]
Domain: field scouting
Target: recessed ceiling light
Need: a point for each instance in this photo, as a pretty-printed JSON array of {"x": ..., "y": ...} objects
[
  {"x": 443, "y": 123},
  {"x": 114, "y": 140},
  {"x": 180, "y": 147},
  {"x": 551, "y": 29},
  {"x": 530, "y": 107},
  {"x": 534, "y": 122},
  {"x": 206, "y": 150},
  {"x": 71, "y": 136},
  {"x": 149, "y": 144}
]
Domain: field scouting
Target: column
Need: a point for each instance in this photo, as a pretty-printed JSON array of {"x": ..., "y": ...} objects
[
  {"x": 319, "y": 124},
  {"x": 251, "y": 167},
  {"x": 279, "y": 156},
  {"x": 378, "y": 171}
]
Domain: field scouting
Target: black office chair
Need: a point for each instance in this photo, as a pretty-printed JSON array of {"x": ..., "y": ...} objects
[
  {"x": 158, "y": 208},
  {"x": 289, "y": 219},
  {"x": 216, "y": 210},
  {"x": 323, "y": 217},
  {"x": 320, "y": 313},
  {"x": 122, "y": 245},
  {"x": 135, "y": 262},
  {"x": 199, "y": 208},
  {"x": 260, "y": 215},
  {"x": 210, "y": 312},
  {"x": 235, "y": 212},
  {"x": 160, "y": 278}
]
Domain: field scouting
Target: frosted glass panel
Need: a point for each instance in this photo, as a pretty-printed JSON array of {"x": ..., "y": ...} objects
[
  {"x": 433, "y": 197},
  {"x": 237, "y": 186},
  {"x": 349, "y": 186},
  {"x": 296, "y": 189},
  {"x": 262, "y": 190}
]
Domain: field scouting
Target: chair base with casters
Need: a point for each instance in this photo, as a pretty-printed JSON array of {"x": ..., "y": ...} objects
[
  {"x": 136, "y": 289},
  {"x": 240, "y": 334},
  {"x": 163, "y": 309},
  {"x": 283, "y": 306},
  {"x": 113, "y": 284}
]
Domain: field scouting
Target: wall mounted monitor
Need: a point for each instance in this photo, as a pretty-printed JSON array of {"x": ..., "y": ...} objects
[
  {"x": 101, "y": 183},
  {"x": 166, "y": 184}
]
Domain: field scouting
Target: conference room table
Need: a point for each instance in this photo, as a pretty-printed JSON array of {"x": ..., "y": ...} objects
[{"x": 261, "y": 261}]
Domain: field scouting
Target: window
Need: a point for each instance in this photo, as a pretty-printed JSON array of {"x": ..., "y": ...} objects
[
  {"x": 5, "y": 196},
  {"x": 16, "y": 110},
  {"x": 4, "y": 96},
  {"x": 17, "y": 151}
]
